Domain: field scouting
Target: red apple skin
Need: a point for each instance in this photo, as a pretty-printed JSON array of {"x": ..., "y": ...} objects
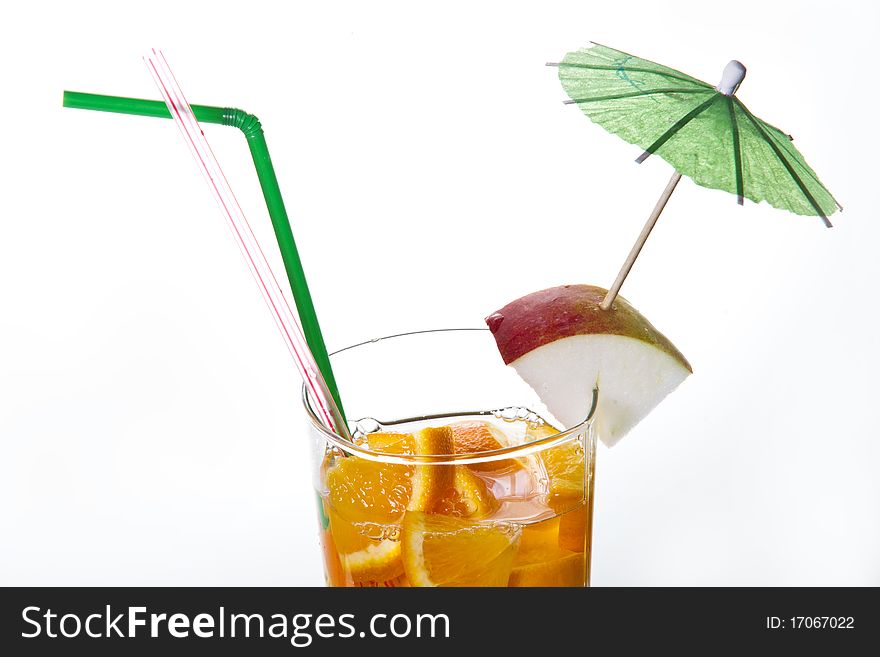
[{"x": 561, "y": 312}]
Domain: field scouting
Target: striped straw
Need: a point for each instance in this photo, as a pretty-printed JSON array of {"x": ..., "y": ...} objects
[{"x": 290, "y": 329}]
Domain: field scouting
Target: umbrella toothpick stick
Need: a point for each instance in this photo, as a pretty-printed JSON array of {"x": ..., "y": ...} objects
[
  {"x": 640, "y": 242},
  {"x": 730, "y": 149}
]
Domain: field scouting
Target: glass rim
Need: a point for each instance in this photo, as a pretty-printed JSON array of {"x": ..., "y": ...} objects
[{"x": 512, "y": 451}]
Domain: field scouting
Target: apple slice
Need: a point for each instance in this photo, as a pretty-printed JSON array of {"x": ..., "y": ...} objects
[{"x": 563, "y": 345}]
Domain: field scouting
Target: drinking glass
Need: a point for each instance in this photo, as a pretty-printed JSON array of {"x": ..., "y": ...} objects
[{"x": 508, "y": 499}]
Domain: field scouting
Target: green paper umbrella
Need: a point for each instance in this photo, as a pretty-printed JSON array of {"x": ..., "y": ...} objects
[{"x": 705, "y": 132}]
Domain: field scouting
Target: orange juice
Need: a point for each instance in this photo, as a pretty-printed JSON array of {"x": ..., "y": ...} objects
[{"x": 495, "y": 512}]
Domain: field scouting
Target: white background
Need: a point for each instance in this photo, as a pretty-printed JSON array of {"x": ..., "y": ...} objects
[{"x": 150, "y": 431}]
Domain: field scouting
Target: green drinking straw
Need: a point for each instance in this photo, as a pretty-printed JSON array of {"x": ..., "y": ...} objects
[{"x": 253, "y": 131}]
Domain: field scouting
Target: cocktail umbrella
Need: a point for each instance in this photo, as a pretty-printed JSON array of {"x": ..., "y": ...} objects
[{"x": 705, "y": 132}]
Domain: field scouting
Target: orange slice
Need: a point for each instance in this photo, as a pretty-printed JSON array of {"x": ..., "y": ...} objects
[
  {"x": 540, "y": 561},
  {"x": 474, "y": 436},
  {"x": 398, "y": 582},
  {"x": 367, "y": 500},
  {"x": 375, "y": 564},
  {"x": 445, "y": 551},
  {"x": 539, "y": 542},
  {"x": 430, "y": 482},
  {"x": 469, "y": 497},
  {"x": 391, "y": 443},
  {"x": 367, "y": 557},
  {"x": 367, "y": 491},
  {"x": 566, "y": 469},
  {"x": 566, "y": 570},
  {"x": 444, "y": 489}
]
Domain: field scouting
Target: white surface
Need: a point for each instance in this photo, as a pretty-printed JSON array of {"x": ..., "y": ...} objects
[{"x": 149, "y": 412}]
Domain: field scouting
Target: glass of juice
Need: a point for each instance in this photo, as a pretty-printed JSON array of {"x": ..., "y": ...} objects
[{"x": 456, "y": 474}]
